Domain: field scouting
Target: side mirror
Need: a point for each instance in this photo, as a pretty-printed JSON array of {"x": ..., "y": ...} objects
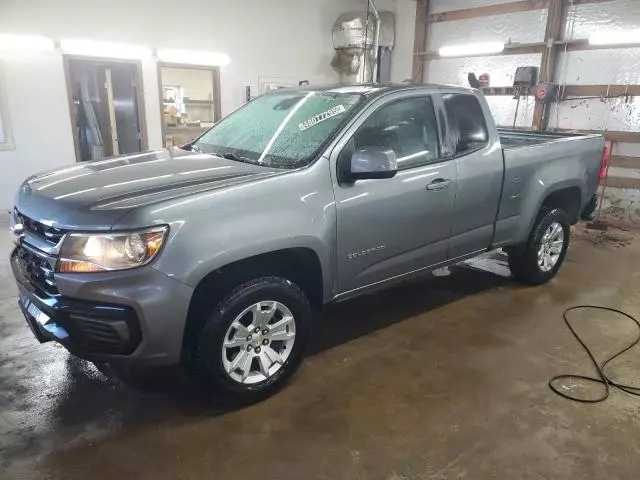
[{"x": 373, "y": 162}]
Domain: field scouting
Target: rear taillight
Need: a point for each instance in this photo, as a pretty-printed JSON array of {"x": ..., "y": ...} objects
[{"x": 606, "y": 155}]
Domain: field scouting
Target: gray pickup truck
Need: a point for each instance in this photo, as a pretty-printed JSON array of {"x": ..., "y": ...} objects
[{"x": 211, "y": 256}]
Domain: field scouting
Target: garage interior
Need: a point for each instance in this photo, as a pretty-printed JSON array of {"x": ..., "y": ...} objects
[{"x": 443, "y": 377}]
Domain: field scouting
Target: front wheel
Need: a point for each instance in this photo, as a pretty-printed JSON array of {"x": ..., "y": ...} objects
[
  {"x": 253, "y": 340},
  {"x": 541, "y": 257}
]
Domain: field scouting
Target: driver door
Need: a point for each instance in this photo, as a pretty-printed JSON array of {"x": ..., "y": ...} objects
[{"x": 389, "y": 228}]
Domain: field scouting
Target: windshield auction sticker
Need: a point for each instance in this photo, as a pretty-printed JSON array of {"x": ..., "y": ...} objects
[{"x": 321, "y": 117}]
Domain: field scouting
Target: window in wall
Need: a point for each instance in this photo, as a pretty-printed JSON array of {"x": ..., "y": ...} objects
[
  {"x": 190, "y": 102},
  {"x": 406, "y": 126},
  {"x": 466, "y": 126}
]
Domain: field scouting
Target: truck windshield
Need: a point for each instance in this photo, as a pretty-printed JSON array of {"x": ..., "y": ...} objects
[{"x": 281, "y": 129}]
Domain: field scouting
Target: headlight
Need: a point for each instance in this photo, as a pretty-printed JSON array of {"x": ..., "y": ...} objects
[{"x": 86, "y": 252}]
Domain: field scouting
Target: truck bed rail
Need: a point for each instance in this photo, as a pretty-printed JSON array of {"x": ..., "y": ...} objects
[{"x": 511, "y": 138}]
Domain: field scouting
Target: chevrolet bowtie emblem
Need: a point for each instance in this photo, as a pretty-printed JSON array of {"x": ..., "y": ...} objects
[
  {"x": 18, "y": 233},
  {"x": 17, "y": 229}
]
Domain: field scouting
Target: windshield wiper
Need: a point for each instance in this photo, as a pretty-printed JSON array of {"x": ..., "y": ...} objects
[
  {"x": 232, "y": 156},
  {"x": 190, "y": 148}
]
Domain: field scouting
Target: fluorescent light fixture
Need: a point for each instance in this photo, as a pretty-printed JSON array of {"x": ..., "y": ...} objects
[
  {"x": 471, "y": 49},
  {"x": 617, "y": 37},
  {"x": 94, "y": 48},
  {"x": 25, "y": 43},
  {"x": 193, "y": 57}
]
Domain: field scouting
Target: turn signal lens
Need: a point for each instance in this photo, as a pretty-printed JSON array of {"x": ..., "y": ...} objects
[
  {"x": 153, "y": 246},
  {"x": 71, "y": 266}
]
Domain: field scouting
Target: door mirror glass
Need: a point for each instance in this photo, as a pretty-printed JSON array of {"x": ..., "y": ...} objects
[{"x": 373, "y": 162}]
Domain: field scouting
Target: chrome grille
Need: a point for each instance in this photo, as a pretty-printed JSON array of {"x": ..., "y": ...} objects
[
  {"x": 46, "y": 232},
  {"x": 37, "y": 269}
]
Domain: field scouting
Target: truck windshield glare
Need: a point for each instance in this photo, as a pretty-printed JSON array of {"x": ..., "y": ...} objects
[{"x": 282, "y": 130}]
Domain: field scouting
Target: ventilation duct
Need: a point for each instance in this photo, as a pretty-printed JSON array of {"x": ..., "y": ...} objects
[
  {"x": 354, "y": 40},
  {"x": 347, "y": 60}
]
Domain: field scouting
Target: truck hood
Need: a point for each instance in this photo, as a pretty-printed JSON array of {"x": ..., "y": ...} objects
[{"x": 94, "y": 195}]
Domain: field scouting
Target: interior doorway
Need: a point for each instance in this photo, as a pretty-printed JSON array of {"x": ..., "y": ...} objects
[{"x": 107, "y": 114}]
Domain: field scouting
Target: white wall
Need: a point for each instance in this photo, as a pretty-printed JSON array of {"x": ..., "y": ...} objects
[
  {"x": 40, "y": 119},
  {"x": 3, "y": 134},
  {"x": 402, "y": 56},
  {"x": 266, "y": 40}
]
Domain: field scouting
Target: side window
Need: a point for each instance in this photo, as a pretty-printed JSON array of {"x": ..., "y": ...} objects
[
  {"x": 467, "y": 129},
  {"x": 406, "y": 126}
]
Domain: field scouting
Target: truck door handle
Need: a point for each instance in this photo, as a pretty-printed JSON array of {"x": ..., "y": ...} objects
[{"x": 439, "y": 184}]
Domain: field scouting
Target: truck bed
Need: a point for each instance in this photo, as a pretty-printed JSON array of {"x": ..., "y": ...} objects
[
  {"x": 536, "y": 163},
  {"x": 511, "y": 139}
]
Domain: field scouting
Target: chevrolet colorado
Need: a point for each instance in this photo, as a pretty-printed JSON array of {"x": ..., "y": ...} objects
[{"x": 211, "y": 256}]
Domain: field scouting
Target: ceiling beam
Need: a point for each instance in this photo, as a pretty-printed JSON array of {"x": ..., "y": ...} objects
[
  {"x": 624, "y": 162},
  {"x": 585, "y": 2},
  {"x": 601, "y": 91},
  {"x": 575, "y": 91},
  {"x": 622, "y": 182},
  {"x": 488, "y": 11},
  {"x": 502, "y": 91},
  {"x": 500, "y": 9},
  {"x": 419, "y": 40}
]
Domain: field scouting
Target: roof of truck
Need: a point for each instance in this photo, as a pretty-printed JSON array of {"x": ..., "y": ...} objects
[{"x": 372, "y": 89}]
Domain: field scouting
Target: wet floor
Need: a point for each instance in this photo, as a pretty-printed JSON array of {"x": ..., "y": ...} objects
[{"x": 443, "y": 378}]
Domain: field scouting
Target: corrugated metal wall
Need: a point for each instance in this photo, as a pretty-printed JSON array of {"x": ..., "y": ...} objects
[{"x": 595, "y": 67}]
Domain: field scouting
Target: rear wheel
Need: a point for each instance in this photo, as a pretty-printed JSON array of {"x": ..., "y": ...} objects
[
  {"x": 252, "y": 341},
  {"x": 538, "y": 261}
]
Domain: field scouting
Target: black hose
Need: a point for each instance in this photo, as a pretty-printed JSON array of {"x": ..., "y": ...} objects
[{"x": 602, "y": 378}]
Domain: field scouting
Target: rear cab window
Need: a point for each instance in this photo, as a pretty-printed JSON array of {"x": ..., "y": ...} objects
[{"x": 466, "y": 125}]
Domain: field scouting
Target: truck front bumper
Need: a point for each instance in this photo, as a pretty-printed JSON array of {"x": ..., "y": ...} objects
[{"x": 128, "y": 317}]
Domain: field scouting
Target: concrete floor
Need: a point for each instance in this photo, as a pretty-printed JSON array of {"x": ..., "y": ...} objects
[{"x": 446, "y": 378}]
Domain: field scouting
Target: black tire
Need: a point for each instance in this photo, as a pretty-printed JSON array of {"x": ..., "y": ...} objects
[
  {"x": 587, "y": 212},
  {"x": 523, "y": 260},
  {"x": 205, "y": 360}
]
